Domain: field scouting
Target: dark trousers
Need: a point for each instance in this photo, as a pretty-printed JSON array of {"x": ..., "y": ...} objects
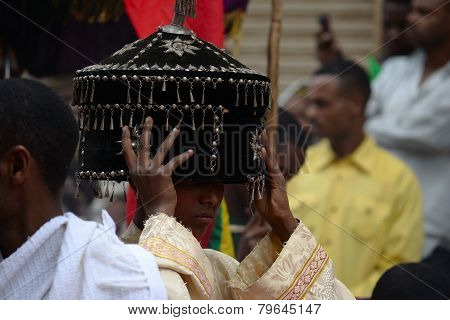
[{"x": 440, "y": 261}]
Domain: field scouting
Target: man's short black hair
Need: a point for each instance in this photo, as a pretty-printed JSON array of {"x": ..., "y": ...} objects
[
  {"x": 400, "y": 2},
  {"x": 352, "y": 77},
  {"x": 32, "y": 115}
]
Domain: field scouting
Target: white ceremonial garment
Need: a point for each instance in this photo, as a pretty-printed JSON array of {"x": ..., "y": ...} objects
[
  {"x": 301, "y": 269},
  {"x": 72, "y": 259}
]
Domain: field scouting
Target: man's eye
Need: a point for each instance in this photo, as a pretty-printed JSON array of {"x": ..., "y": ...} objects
[
  {"x": 423, "y": 12},
  {"x": 321, "y": 104}
]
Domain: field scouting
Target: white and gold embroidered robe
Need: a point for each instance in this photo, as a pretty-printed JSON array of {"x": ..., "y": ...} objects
[{"x": 299, "y": 270}]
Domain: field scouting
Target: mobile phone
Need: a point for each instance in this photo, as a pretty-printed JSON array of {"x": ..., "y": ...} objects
[{"x": 324, "y": 21}]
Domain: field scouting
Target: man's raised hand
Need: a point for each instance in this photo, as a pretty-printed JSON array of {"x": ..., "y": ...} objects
[
  {"x": 274, "y": 206},
  {"x": 152, "y": 178}
]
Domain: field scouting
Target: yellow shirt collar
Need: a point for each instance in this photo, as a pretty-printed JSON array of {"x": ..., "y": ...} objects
[{"x": 362, "y": 157}]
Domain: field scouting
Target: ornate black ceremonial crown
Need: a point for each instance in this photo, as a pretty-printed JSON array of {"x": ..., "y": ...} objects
[{"x": 180, "y": 80}]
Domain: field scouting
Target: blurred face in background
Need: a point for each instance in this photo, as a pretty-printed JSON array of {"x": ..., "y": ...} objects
[
  {"x": 331, "y": 113},
  {"x": 431, "y": 25},
  {"x": 395, "y": 21},
  {"x": 297, "y": 104},
  {"x": 290, "y": 159}
]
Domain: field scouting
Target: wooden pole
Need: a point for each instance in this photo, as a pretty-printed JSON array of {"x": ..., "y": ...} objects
[
  {"x": 273, "y": 66},
  {"x": 378, "y": 22}
]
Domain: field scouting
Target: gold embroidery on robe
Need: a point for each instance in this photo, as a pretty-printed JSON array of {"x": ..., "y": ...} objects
[
  {"x": 162, "y": 249},
  {"x": 305, "y": 278},
  {"x": 300, "y": 269}
]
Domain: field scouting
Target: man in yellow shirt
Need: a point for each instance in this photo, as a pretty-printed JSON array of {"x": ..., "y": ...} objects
[{"x": 361, "y": 203}]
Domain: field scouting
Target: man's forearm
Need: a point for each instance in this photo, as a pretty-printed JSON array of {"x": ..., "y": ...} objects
[
  {"x": 284, "y": 227},
  {"x": 140, "y": 215}
]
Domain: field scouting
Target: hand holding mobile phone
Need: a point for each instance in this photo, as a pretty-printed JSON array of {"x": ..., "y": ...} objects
[{"x": 324, "y": 21}]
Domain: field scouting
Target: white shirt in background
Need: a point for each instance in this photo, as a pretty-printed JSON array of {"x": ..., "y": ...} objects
[{"x": 412, "y": 120}]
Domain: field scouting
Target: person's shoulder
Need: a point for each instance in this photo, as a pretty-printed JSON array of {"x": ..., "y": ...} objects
[
  {"x": 104, "y": 249},
  {"x": 397, "y": 60},
  {"x": 318, "y": 150},
  {"x": 388, "y": 159},
  {"x": 108, "y": 268},
  {"x": 121, "y": 267},
  {"x": 392, "y": 166},
  {"x": 105, "y": 236},
  {"x": 400, "y": 62}
]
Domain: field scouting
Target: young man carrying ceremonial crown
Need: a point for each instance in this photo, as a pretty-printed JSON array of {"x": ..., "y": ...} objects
[{"x": 216, "y": 108}]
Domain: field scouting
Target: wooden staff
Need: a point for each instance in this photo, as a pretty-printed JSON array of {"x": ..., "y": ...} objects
[{"x": 273, "y": 65}]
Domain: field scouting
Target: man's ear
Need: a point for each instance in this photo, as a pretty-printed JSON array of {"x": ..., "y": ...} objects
[
  {"x": 18, "y": 162},
  {"x": 356, "y": 102}
]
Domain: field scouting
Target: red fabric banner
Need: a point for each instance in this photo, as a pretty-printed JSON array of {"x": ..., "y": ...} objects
[{"x": 147, "y": 15}]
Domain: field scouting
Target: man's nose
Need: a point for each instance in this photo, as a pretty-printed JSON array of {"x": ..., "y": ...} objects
[
  {"x": 311, "y": 113},
  {"x": 412, "y": 18},
  {"x": 393, "y": 33},
  {"x": 211, "y": 196}
]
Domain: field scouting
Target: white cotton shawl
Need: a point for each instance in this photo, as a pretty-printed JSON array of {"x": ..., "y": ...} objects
[{"x": 68, "y": 258}]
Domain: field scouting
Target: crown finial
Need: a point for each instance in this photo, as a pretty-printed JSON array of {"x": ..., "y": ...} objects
[
  {"x": 183, "y": 9},
  {"x": 186, "y": 7}
]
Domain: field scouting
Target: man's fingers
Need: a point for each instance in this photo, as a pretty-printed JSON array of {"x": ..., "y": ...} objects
[
  {"x": 269, "y": 156},
  {"x": 325, "y": 37},
  {"x": 144, "y": 147},
  {"x": 165, "y": 146},
  {"x": 178, "y": 160},
  {"x": 128, "y": 152}
]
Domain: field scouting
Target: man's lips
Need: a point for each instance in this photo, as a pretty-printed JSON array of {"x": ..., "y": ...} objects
[{"x": 205, "y": 215}]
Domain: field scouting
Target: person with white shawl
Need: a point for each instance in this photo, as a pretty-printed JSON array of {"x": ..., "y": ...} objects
[{"x": 45, "y": 254}]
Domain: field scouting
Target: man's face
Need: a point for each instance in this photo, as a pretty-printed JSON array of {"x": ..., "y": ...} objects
[
  {"x": 297, "y": 104},
  {"x": 432, "y": 30},
  {"x": 327, "y": 110},
  {"x": 197, "y": 204},
  {"x": 395, "y": 21}
]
